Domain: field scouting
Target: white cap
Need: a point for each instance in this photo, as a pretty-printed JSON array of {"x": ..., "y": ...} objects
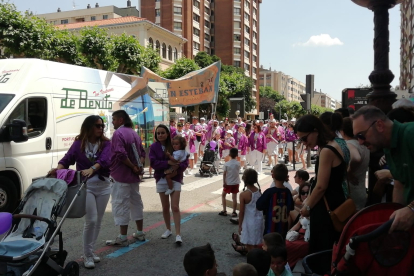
[
  {"x": 221, "y": 122},
  {"x": 283, "y": 121},
  {"x": 229, "y": 131},
  {"x": 181, "y": 119},
  {"x": 257, "y": 121},
  {"x": 215, "y": 121},
  {"x": 272, "y": 121},
  {"x": 202, "y": 119}
]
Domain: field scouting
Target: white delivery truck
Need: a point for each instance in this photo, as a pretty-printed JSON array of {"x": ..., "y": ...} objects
[{"x": 42, "y": 107}]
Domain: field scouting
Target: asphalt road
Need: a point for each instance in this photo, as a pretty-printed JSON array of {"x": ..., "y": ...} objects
[{"x": 200, "y": 205}]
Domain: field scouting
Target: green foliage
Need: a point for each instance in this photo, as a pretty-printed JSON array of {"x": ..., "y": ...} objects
[
  {"x": 268, "y": 92},
  {"x": 203, "y": 59},
  {"x": 181, "y": 67},
  {"x": 24, "y": 35}
]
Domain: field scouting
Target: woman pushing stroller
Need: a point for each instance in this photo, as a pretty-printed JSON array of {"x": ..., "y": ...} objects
[{"x": 91, "y": 153}]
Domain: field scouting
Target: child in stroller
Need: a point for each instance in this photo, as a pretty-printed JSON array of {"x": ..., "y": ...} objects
[{"x": 209, "y": 164}]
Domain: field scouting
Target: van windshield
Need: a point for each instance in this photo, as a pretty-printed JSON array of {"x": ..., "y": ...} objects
[{"x": 4, "y": 100}]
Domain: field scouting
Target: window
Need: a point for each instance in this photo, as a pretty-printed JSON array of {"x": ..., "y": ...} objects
[
  {"x": 207, "y": 50},
  {"x": 178, "y": 25},
  {"x": 247, "y": 29},
  {"x": 247, "y": 41},
  {"x": 170, "y": 53},
  {"x": 157, "y": 0},
  {"x": 246, "y": 54},
  {"x": 64, "y": 21},
  {"x": 246, "y": 67},
  {"x": 237, "y": 50},
  {"x": 157, "y": 12},
  {"x": 254, "y": 11},
  {"x": 196, "y": 4},
  {"x": 164, "y": 50},
  {"x": 247, "y": 16},
  {"x": 93, "y": 18},
  {"x": 196, "y": 32},
  {"x": 178, "y": 10},
  {"x": 157, "y": 46},
  {"x": 254, "y": 35},
  {"x": 151, "y": 43},
  {"x": 34, "y": 112},
  {"x": 237, "y": 24},
  {"x": 254, "y": 58},
  {"x": 105, "y": 16},
  {"x": 196, "y": 45},
  {"x": 236, "y": 63},
  {"x": 207, "y": 23},
  {"x": 237, "y": 11},
  {"x": 207, "y": 36},
  {"x": 80, "y": 20},
  {"x": 237, "y": 37},
  {"x": 196, "y": 17},
  {"x": 207, "y": 10},
  {"x": 254, "y": 47},
  {"x": 255, "y": 23}
]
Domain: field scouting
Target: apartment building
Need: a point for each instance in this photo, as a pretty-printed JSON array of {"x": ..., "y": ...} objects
[
  {"x": 286, "y": 85},
  {"x": 407, "y": 44},
  {"x": 117, "y": 21},
  {"x": 324, "y": 100},
  {"x": 228, "y": 29}
]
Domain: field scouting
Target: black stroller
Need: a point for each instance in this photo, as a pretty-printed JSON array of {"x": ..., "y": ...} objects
[
  {"x": 209, "y": 165},
  {"x": 26, "y": 248}
]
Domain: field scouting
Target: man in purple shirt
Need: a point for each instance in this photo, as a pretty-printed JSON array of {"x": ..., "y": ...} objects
[{"x": 125, "y": 171}]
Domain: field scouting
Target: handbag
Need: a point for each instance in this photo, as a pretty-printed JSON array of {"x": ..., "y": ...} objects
[
  {"x": 78, "y": 209},
  {"x": 343, "y": 212}
]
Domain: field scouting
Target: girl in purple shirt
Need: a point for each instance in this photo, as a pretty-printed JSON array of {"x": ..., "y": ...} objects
[
  {"x": 160, "y": 162},
  {"x": 91, "y": 153}
]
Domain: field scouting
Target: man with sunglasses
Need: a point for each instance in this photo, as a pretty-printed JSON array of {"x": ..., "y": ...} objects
[{"x": 373, "y": 129}]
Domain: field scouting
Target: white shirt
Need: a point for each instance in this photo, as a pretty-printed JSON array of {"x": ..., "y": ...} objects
[
  {"x": 232, "y": 169},
  {"x": 180, "y": 155},
  {"x": 286, "y": 184}
]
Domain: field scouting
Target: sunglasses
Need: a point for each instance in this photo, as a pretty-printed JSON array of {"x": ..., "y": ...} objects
[
  {"x": 304, "y": 138},
  {"x": 361, "y": 135},
  {"x": 304, "y": 193},
  {"x": 99, "y": 125}
]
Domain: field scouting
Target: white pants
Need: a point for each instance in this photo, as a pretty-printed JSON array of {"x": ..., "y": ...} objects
[
  {"x": 256, "y": 160},
  {"x": 126, "y": 203},
  {"x": 197, "y": 146},
  {"x": 272, "y": 148},
  {"x": 97, "y": 197}
]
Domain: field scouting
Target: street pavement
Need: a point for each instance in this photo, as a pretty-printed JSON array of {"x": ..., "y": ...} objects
[{"x": 200, "y": 204}]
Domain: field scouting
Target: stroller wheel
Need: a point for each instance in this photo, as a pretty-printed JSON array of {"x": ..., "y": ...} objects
[{"x": 71, "y": 269}]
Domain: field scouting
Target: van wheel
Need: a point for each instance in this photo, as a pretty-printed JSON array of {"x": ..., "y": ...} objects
[{"x": 8, "y": 195}]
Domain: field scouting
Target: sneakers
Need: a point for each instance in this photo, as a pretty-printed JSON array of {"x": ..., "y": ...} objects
[
  {"x": 195, "y": 166},
  {"x": 169, "y": 191},
  {"x": 118, "y": 241},
  {"x": 189, "y": 172},
  {"x": 178, "y": 240},
  {"x": 166, "y": 234},
  {"x": 88, "y": 262},
  {"x": 95, "y": 258},
  {"x": 139, "y": 235}
]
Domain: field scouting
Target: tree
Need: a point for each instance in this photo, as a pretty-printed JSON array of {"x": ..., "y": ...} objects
[
  {"x": 203, "y": 59},
  {"x": 180, "y": 68},
  {"x": 268, "y": 92}
]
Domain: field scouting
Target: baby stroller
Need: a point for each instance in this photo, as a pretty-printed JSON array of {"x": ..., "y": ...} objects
[
  {"x": 26, "y": 248},
  {"x": 366, "y": 248},
  {"x": 208, "y": 165}
]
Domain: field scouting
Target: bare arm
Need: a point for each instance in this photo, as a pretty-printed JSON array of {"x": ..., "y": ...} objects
[
  {"x": 398, "y": 193},
  {"x": 241, "y": 212},
  {"x": 355, "y": 157},
  {"x": 296, "y": 227}
]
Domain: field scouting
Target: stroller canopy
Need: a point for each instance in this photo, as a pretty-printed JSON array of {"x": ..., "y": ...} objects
[{"x": 57, "y": 186}]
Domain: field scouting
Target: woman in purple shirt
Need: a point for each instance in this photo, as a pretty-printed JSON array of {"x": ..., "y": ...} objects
[
  {"x": 91, "y": 153},
  {"x": 258, "y": 147},
  {"x": 160, "y": 162},
  {"x": 290, "y": 138}
]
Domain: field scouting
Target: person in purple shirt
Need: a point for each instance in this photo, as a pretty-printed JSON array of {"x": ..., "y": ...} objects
[
  {"x": 91, "y": 153},
  {"x": 125, "y": 171},
  {"x": 173, "y": 129},
  {"x": 160, "y": 162},
  {"x": 290, "y": 138},
  {"x": 257, "y": 143}
]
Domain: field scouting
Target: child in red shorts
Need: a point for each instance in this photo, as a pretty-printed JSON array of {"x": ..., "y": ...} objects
[{"x": 231, "y": 181}]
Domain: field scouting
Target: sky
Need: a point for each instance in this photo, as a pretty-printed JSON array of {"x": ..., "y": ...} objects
[{"x": 331, "y": 39}]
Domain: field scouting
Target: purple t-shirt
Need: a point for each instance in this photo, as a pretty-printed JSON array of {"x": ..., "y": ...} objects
[
  {"x": 75, "y": 155},
  {"x": 121, "y": 149}
]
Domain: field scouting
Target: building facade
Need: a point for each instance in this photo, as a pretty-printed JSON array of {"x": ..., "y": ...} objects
[
  {"x": 228, "y": 29},
  {"x": 286, "y": 85},
  {"x": 407, "y": 45},
  {"x": 324, "y": 100},
  {"x": 168, "y": 44}
]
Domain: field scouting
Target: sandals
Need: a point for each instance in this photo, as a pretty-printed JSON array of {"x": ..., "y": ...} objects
[
  {"x": 243, "y": 251},
  {"x": 234, "y": 221},
  {"x": 223, "y": 213},
  {"x": 236, "y": 238},
  {"x": 234, "y": 215}
]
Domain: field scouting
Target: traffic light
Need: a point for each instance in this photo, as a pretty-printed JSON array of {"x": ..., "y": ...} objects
[{"x": 306, "y": 104}]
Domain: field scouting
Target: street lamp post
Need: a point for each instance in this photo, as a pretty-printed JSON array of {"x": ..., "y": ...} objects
[
  {"x": 381, "y": 77},
  {"x": 237, "y": 113},
  {"x": 268, "y": 114}
]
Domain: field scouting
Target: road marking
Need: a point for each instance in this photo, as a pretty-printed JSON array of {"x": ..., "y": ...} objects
[
  {"x": 126, "y": 249},
  {"x": 134, "y": 245},
  {"x": 200, "y": 183}
]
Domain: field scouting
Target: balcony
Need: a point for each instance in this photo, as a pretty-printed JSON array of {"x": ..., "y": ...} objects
[
  {"x": 196, "y": 38},
  {"x": 196, "y": 24},
  {"x": 196, "y": 10},
  {"x": 212, "y": 6},
  {"x": 254, "y": 4},
  {"x": 254, "y": 76},
  {"x": 212, "y": 30},
  {"x": 212, "y": 45}
]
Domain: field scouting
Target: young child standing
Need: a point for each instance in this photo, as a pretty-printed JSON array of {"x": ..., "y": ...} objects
[
  {"x": 250, "y": 219},
  {"x": 276, "y": 203},
  {"x": 179, "y": 154},
  {"x": 278, "y": 262},
  {"x": 231, "y": 181},
  {"x": 228, "y": 143}
]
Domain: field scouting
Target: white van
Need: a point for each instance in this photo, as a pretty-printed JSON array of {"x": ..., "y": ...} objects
[{"x": 42, "y": 107}]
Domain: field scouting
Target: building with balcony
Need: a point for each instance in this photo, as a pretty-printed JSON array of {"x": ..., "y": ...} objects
[
  {"x": 407, "y": 45},
  {"x": 286, "y": 85},
  {"x": 228, "y": 29},
  {"x": 168, "y": 44},
  {"x": 324, "y": 100}
]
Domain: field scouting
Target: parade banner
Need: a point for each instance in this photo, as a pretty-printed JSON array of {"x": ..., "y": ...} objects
[{"x": 197, "y": 87}]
